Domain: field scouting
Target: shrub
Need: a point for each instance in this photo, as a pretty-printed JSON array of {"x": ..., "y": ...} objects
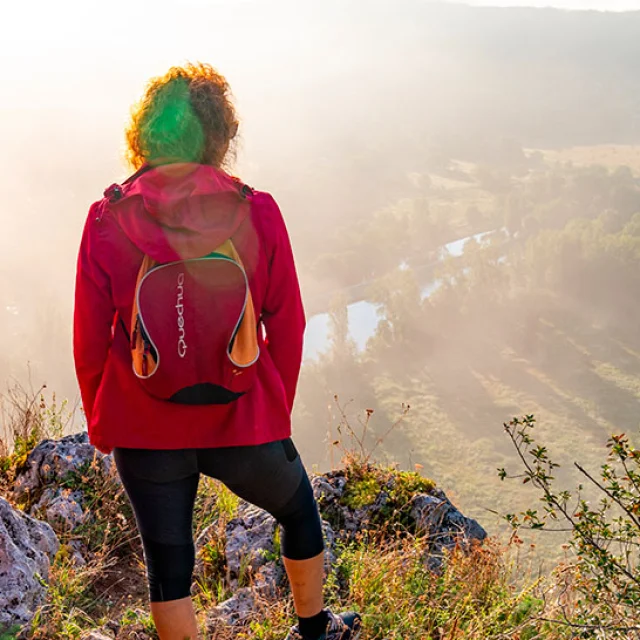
[{"x": 600, "y": 588}]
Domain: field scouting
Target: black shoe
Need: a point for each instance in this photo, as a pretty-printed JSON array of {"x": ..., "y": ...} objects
[{"x": 346, "y": 626}]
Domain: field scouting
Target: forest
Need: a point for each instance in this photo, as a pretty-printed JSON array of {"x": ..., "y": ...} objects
[{"x": 538, "y": 317}]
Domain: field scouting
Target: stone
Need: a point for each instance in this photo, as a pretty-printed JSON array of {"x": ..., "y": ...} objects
[
  {"x": 95, "y": 634},
  {"x": 250, "y": 541},
  {"x": 237, "y": 610},
  {"x": 433, "y": 514},
  {"x": 206, "y": 536},
  {"x": 78, "y": 552},
  {"x": 52, "y": 460},
  {"x": 46, "y": 467},
  {"x": 324, "y": 489},
  {"x": 330, "y": 557},
  {"x": 64, "y": 512},
  {"x": 436, "y": 517},
  {"x": 267, "y": 580},
  {"x": 47, "y": 496},
  {"x": 444, "y": 525},
  {"x": 429, "y": 513},
  {"x": 61, "y": 508},
  {"x": 27, "y": 547},
  {"x": 470, "y": 529}
]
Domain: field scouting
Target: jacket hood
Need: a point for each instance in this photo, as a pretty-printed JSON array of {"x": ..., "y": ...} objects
[{"x": 179, "y": 211}]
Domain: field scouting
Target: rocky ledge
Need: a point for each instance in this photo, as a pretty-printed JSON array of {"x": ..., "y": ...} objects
[{"x": 361, "y": 501}]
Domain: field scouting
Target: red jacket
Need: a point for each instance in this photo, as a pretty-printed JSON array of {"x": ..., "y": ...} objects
[{"x": 178, "y": 212}]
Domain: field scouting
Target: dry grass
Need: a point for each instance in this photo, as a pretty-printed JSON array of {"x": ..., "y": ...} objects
[
  {"x": 480, "y": 595},
  {"x": 28, "y": 416}
]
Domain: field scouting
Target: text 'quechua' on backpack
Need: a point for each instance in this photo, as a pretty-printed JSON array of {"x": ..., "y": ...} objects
[{"x": 194, "y": 335}]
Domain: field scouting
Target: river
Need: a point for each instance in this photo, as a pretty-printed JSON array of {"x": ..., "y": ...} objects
[{"x": 363, "y": 315}]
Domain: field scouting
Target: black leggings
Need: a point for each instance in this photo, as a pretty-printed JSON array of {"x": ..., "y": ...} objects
[{"x": 162, "y": 485}]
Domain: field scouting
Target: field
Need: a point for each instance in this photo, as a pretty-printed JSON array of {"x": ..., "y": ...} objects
[{"x": 610, "y": 156}]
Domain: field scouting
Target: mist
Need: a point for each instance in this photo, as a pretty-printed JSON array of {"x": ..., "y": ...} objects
[
  {"x": 573, "y": 5},
  {"x": 461, "y": 185}
]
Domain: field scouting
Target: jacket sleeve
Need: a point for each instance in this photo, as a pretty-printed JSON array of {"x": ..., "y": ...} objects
[
  {"x": 94, "y": 313},
  {"x": 283, "y": 313}
]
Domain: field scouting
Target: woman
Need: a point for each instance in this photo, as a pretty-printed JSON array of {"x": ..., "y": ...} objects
[{"x": 170, "y": 411}]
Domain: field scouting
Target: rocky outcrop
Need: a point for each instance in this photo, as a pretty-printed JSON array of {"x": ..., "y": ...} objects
[
  {"x": 353, "y": 503},
  {"x": 436, "y": 517},
  {"x": 50, "y": 463},
  {"x": 252, "y": 557},
  {"x": 443, "y": 524},
  {"x": 26, "y": 548},
  {"x": 425, "y": 513}
]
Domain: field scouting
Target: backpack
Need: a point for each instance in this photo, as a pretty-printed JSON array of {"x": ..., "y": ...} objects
[
  {"x": 194, "y": 337},
  {"x": 193, "y": 331}
]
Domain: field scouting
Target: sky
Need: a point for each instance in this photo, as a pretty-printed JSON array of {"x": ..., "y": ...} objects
[
  {"x": 31, "y": 31},
  {"x": 599, "y": 5}
]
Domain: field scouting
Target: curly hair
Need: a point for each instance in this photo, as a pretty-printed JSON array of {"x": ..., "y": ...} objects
[{"x": 186, "y": 115}]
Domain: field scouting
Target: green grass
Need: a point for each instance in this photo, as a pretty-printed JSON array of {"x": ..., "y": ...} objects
[
  {"x": 135, "y": 617},
  {"x": 214, "y": 503},
  {"x": 366, "y": 483},
  {"x": 215, "y": 506},
  {"x": 581, "y": 382}
]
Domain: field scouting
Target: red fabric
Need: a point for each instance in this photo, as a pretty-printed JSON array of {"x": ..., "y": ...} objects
[{"x": 172, "y": 212}]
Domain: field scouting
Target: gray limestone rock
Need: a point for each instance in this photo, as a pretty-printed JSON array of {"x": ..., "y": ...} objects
[
  {"x": 326, "y": 488},
  {"x": 26, "y": 549},
  {"x": 444, "y": 525},
  {"x": 52, "y": 460},
  {"x": 95, "y": 634},
  {"x": 237, "y": 610},
  {"x": 79, "y": 551},
  {"x": 61, "y": 508},
  {"x": 267, "y": 580},
  {"x": 64, "y": 512},
  {"x": 250, "y": 541},
  {"x": 46, "y": 466},
  {"x": 329, "y": 547},
  {"x": 436, "y": 517}
]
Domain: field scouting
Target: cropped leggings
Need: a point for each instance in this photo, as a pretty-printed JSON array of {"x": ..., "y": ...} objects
[{"x": 162, "y": 487}]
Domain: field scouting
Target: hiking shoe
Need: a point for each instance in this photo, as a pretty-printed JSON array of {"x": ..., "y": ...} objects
[{"x": 346, "y": 626}]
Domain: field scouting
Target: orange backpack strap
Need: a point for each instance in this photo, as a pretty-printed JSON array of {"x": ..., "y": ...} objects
[
  {"x": 143, "y": 358},
  {"x": 244, "y": 349}
]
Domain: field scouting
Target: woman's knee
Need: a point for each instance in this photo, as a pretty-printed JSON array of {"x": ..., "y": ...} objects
[
  {"x": 302, "y": 526},
  {"x": 169, "y": 569}
]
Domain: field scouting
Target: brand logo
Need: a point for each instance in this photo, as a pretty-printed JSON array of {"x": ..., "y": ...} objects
[{"x": 182, "y": 342}]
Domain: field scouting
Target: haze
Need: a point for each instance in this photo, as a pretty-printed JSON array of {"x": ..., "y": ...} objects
[
  {"x": 460, "y": 184},
  {"x": 575, "y": 5}
]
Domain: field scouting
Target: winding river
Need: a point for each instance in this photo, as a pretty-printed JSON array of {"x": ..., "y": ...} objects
[{"x": 363, "y": 315}]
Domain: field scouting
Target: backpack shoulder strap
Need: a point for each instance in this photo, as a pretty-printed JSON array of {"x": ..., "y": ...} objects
[
  {"x": 146, "y": 266},
  {"x": 114, "y": 192}
]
